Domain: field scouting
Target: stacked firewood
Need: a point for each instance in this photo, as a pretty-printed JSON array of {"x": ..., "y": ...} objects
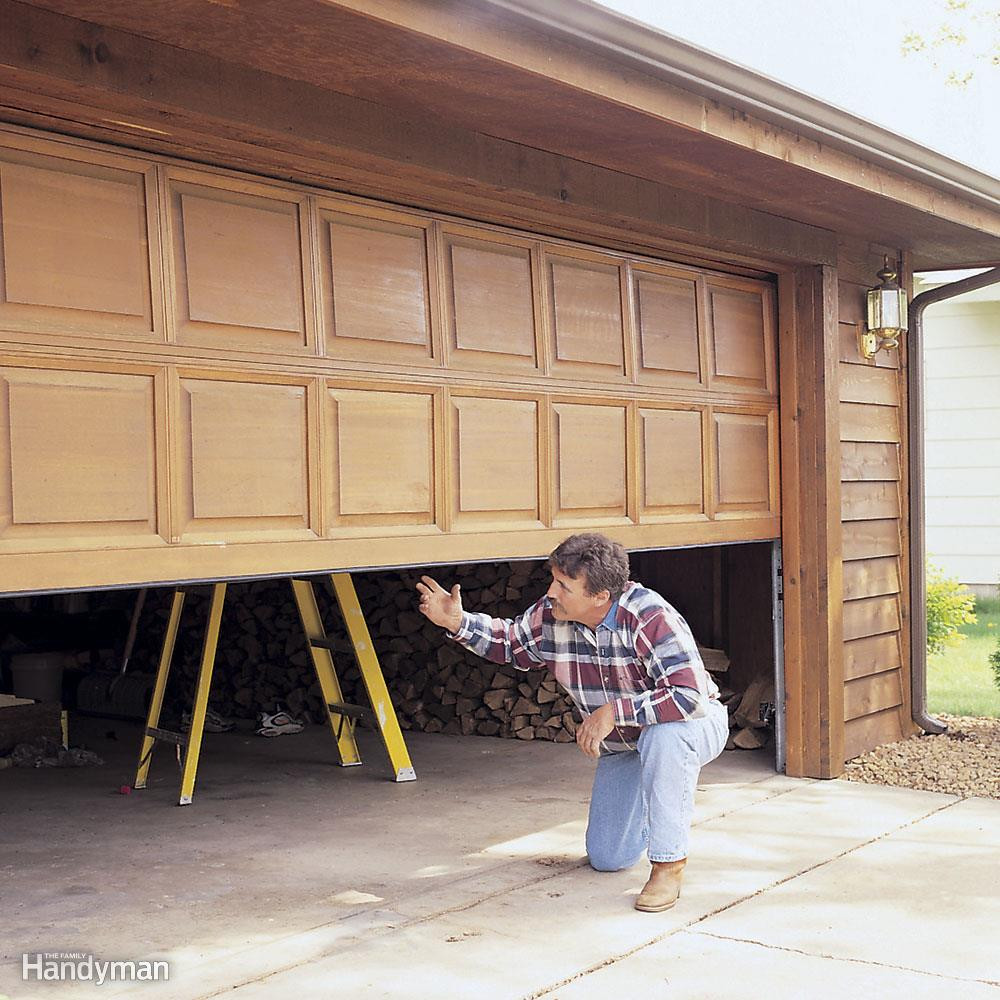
[{"x": 436, "y": 685}]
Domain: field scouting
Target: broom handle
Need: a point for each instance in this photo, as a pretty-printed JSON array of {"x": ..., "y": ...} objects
[{"x": 133, "y": 627}]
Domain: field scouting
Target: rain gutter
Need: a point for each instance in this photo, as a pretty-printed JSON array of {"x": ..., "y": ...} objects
[{"x": 918, "y": 545}]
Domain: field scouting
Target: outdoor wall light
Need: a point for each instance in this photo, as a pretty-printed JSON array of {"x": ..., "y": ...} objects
[{"x": 886, "y": 314}]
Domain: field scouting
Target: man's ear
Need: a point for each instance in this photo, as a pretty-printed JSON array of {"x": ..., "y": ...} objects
[{"x": 602, "y": 596}]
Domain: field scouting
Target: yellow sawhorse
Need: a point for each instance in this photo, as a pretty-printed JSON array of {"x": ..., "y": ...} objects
[{"x": 342, "y": 717}]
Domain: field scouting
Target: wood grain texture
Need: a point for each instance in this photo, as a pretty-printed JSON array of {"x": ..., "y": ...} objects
[
  {"x": 76, "y": 244},
  {"x": 237, "y": 266},
  {"x": 243, "y": 458},
  {"x": 490, "y": 295},
  {"x": 78, "y": 455},
  {"x": 868, "y": 731},
  {"x": 742, "y": 446},
  {"x": 586, "y": 316},
  {"x": 241, "y": 264},
  {"x": 601, "y": 109},
  {"x": 850, "y": 350},
  {"x": 740, "y": 335},
  {"x": 871, "y": 616},
  {"x": 866, "y": 695},
  {"x": 870, "y": 539},
  {"x": 383, "y": 457},
  {"x": 869, "y": 462},
  {"x": 871, "y": 577},
  {"x": 311, "y": 399},
  {"x": 375, "y": 286},
  {"x": 811, "y": 506},
  {"x": 668, "y": 322},
  {"x": 672, "y": 463},
  {"x": 871, "y": 655},
  {"x": 32, "y": 571},
  {"x": 873, "y": 427},
  {"x": 864, "y": 422},
  {"x": 868, "y": 500},
  {"x": 910, "y": 513},
  {"x": 379, "y": 282},
  {"x": 74, "y": 241},
  {"x": 276, "y": 123},
  {"x": 496, "y": 446},
  {"x": 863, "y": 384},
  {"x": 590, "y": 481}
]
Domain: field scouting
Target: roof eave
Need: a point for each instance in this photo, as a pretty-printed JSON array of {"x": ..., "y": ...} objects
[{"x": 694, "y": 69}]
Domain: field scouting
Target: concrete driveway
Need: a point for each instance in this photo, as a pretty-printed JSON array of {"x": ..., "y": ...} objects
[{"x": 292, "y": 877}]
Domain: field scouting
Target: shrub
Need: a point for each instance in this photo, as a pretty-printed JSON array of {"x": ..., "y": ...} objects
[
  {"x": 995, "y": 664},
  {"x": 995, "y": 660},
  {"x": 949, "y": 606}
]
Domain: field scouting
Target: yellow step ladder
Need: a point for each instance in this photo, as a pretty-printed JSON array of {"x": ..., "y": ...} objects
[{"x": 342, "y": 717}]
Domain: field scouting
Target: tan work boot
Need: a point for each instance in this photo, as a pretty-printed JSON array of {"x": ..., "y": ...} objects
[{"x": 663, "y": 888}]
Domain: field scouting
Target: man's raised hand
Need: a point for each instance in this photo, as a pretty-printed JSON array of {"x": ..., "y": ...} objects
[{"x": 441, "y": 607}]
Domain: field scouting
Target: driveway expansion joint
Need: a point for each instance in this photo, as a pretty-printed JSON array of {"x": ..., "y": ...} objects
[
  {"x": 846, "y": 958},
  {"x": 614, "y": 959},
  {"x": 343, "y": 946}
]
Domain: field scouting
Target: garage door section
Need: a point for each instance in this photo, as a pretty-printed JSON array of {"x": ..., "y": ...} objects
[{"x": 205, "y": 375}]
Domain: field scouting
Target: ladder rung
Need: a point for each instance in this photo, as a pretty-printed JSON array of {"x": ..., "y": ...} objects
[
  {"x": 350, "y": 711},
  {"x": 166, "y": 736},
  {"x": 322, "y": 643}
]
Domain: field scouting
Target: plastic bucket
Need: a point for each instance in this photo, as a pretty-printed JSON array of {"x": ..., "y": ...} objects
[{"x": 37, "y": 675}]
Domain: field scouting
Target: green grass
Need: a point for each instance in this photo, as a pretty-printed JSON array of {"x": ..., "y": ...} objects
[{"x": 960, "y": 680}]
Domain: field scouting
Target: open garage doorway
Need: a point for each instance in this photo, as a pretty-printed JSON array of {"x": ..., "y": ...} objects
[{"x": 729, "y": 595}]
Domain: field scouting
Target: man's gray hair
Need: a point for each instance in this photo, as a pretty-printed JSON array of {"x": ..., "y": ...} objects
[{"x": 602, "y": 562}]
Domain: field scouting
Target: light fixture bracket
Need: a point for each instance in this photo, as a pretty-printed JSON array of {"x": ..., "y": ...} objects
[{"x": 868, "y": 342}]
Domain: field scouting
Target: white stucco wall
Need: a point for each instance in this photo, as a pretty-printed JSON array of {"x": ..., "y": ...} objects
[{"x": 962, "y": 368}]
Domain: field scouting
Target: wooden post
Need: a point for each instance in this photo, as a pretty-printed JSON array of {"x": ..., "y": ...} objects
[{"x": 813, "y": 575}]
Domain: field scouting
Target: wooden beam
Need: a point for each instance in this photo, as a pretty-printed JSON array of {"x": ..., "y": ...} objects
[
  {"x": 198, "y": 106},
  {"x": 501, "y": 35},
  {"x": 810, "y": 440},
  {"x": 489, "y": 69}
]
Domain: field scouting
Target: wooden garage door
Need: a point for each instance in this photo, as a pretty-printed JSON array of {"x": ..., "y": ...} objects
[{"x": 205, "y": 375}]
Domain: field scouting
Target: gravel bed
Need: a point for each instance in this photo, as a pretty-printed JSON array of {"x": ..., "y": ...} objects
[{"x": 963, "y": 761}]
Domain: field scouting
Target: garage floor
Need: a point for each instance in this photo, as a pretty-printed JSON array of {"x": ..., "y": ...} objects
[{"x": 290, "y": 876}]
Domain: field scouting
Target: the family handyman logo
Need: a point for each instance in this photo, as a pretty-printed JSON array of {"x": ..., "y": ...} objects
[{"x": 78, "y": 967}]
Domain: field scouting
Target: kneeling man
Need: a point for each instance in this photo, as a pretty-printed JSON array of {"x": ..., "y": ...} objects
[{"x": 651, "y": 713}]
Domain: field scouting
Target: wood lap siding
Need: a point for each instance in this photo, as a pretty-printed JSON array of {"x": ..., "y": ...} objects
[
  {"x": 872, "y": 431},
  {"x": 243, "y": 377}
]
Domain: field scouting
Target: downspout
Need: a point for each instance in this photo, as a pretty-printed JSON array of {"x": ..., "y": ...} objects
[{"x": 918, "y": 548}]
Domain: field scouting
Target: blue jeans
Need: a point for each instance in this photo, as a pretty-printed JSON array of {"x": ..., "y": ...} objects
[{"x": 643, "y": 800}]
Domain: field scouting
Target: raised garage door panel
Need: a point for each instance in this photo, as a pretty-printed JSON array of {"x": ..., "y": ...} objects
[
  {"x": 383, "y": 456},
  {"x": 670, "y": 326},
  {"x": 238, "y": 268},
  {"x": 673, "y": 464},
  {"x": 490, "y": 303},
  {"x": 302, "y": 381},
  {"x": 586, "y": 316},
  {"x": 243, "y": 457},
  {"x": 591, "y": 461},
  {"x": 746, "y": 444},
  {"x": 76, "y": 246},
  {"x": 376, "y": 295},
  {"x": 495, "y": 444},
  {"x": 742, "y": 344},
  {"x": 80, "y": 455}
]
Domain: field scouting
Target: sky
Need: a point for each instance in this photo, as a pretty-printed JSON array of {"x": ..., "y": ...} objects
[{"x": 849, "y": 53}]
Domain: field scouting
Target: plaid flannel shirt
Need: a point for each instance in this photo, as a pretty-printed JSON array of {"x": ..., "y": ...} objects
[{"x": 642, "y": 658}]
